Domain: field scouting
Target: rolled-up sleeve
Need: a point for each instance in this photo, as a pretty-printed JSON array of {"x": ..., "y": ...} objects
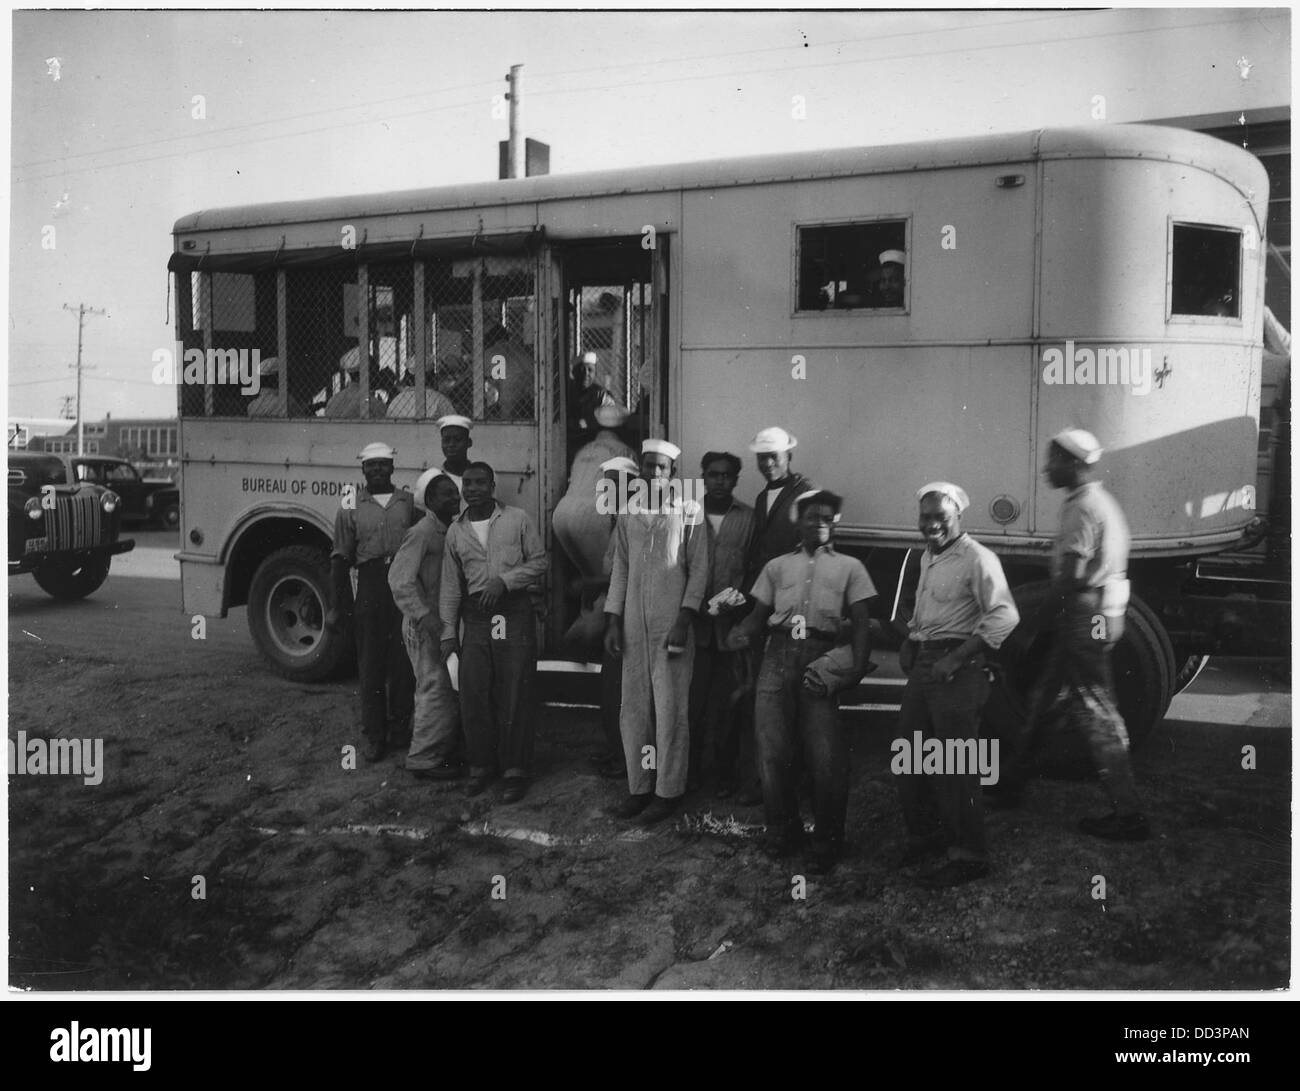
[
  {"x": 449, "y": 585},
  {"x": 617, "y": 594},
  {"x": 998, "y": 613}
]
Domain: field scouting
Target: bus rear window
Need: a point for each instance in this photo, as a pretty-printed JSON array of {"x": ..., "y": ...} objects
[
  {"x": 1206, "y": 271},
  {"x": 853, "y": 266}
]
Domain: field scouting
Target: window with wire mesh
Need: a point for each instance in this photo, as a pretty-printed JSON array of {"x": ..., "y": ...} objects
[
  {"x": 231, "y": 319},
  {"x": 322, "y": 338},
  {"x": 485, "y": 369},
  {"x": 613, "y": 321}
]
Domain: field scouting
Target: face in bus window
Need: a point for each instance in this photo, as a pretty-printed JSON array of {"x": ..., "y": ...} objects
[{"x": 891, "y": 284}]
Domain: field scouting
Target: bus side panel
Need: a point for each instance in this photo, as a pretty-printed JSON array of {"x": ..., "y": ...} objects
[
  {"x": 970, "y": 269},
  {"x": 1181, "y": 457},
  {"x": 873, "y": 424},
  {"x": 232, "y": 466}
]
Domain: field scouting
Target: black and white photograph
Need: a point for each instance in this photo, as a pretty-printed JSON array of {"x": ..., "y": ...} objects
[{"x": 702, "y": 503}]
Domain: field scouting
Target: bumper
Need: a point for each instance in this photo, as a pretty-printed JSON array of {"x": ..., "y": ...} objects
[{"x": 32, "y": 561}]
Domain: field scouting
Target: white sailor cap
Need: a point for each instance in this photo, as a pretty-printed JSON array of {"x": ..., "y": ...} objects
[
  {"x": 423, "y": 482},
  {"x": 661, "y": 447},
  {"x": 350, "y": 361},
  {"x": 375, "y": 450},
  {"x": 773, "y": 439},
  {"x": 612, "y": 416},
  {"x": 620, "y": 464},
  {"x": 896, "y": 257},
  {"x": 1083, "y": 445},
  {"x": 794, "y": 508},
  {"x": 454, "y": 421},
  {"x": 590, "y": 358},
  {"x": 269, "y": 366},
  {"x": 955, "y": 493}
]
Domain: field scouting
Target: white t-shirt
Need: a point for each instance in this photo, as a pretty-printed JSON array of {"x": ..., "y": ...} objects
[
  {"x": 715, "y": 521},
  {"x": 480, "y": 528},
  {"x": 382, "y": 499}
]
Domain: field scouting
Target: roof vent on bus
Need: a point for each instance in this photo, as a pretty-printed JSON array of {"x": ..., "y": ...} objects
[
  {"x": 1010, "y": 181},
  {"x": 1004, "y": 509}
]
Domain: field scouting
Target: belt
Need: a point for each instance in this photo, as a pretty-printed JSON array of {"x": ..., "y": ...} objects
[
  {"x": 939, "y": 645},
  {"x": 385, "y": 561},
  {"x": 809, "y": 634}
]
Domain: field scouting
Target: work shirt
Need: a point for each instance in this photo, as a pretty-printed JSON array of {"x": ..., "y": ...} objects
[
  {"x": 369, "y": 531},
  {"x": 963, "y": 592},
  {"x": 729, "y": 546},
  {"x": 818, "y": 587},
  {"x": 347, "y": 403},
  {"x": 661, "y": 566},
  {"x": 1094, "y": 528},
  {"x": 514, "y": 553},
  {"x": 417, "y": 569}
]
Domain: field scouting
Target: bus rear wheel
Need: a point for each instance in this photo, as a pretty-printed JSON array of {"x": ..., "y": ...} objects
[
  {"x": 1143, "y": 665},
  {"x": 287, "y": 600}
]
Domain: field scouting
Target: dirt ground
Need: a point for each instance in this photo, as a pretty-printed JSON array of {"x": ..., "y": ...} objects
[{"x": 320, "y": 877}]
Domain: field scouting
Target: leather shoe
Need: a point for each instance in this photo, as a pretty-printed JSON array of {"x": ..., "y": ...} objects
[
  {"x": 445, "y": 771},
  {"x": 658, "y": 810},
  {"x": 1117, "y": 827},
  {"x": 954, "y": 873},
  {"x": 478, "y": 785},
  {"x": 515, "y": 790},
  {"x": 631, "y": 806}
]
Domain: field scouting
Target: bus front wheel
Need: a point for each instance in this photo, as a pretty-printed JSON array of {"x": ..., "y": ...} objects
[
  {"x": 1143, "y": 664},
  {"x": 287, "y": 600}
]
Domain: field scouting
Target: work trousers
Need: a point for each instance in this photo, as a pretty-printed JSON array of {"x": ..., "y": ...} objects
[
  {"x": 435, "y": 727},
  {"x": 611, "y": 704},
  {"x": 789, "y": 719},
  {"x": 655, "y": 713},
  {"x": 498, "y": 675},
  {"x": 384, "y": 672},
  {"x": 944, "y": 710},
  {"x": 1079, "y": 684},
  {"x": 721, "y": 705}
]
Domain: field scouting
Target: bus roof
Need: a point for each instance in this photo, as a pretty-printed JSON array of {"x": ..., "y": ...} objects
[{"x": 1095, "y": 142}]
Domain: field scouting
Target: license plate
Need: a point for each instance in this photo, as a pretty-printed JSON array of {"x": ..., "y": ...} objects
[{"x": 37, "y": 545}]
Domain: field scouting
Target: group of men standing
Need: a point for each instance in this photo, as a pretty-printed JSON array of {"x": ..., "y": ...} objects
[{"x": 720, "y": 616}]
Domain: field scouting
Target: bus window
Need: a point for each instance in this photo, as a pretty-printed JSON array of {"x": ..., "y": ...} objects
[
  {"x": 1206, "y": 271},
  {"x": 232, "y": 320},
  {"x": 322, "y": 324},
  {"x": 849, "y": 267}
]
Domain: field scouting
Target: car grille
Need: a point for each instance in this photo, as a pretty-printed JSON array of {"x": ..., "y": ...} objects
[{"x": 77, "y": 522}]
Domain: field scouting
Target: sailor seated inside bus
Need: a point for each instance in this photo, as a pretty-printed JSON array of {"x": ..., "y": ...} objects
[
  {"x": 407, "y": 401},
  {"x": 267, "y": 402},
  {"x": 347, "y": 402},
  {"x": 508, "y": 365}
]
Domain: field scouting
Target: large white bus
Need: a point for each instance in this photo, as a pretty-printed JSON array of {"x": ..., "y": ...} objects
[{"x": 1109, "y": 278}]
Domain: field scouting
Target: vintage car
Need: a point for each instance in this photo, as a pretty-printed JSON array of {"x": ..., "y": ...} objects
[
  {"x": 143, "y": 499},
  {"x": 61, "y": 530}
]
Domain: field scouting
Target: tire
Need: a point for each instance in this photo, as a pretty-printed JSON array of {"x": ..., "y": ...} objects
[
  {"x": 287, "y": 600},
  {"x": 1142, "y": 662},
  {"x": 71, "y": 580}
]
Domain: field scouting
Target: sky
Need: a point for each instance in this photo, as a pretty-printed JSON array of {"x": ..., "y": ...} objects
[{"x": 123, "y": 121}]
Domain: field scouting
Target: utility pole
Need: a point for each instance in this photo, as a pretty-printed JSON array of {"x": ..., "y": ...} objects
[
  {"x": 66, "y": 411},
  {"x": 81, "y": 311},
  {"x": 515, "y": 157}
]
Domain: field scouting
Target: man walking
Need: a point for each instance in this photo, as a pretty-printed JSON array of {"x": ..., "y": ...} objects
[
  {"x": 437, "y": 747},
  {"x": 1086, "y": 607},
  {"x": 368, "y": 529},
  {"x": 964, "y": 609},
  {"x": 802, "y": 599},
  {"x": 660, "y": 572},
  {"x": 491, "y": 558}
]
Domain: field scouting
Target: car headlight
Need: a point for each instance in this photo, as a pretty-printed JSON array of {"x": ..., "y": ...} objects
[
  {"x": 33, "y": 508},
  {"x": 109, "y": 502}
]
